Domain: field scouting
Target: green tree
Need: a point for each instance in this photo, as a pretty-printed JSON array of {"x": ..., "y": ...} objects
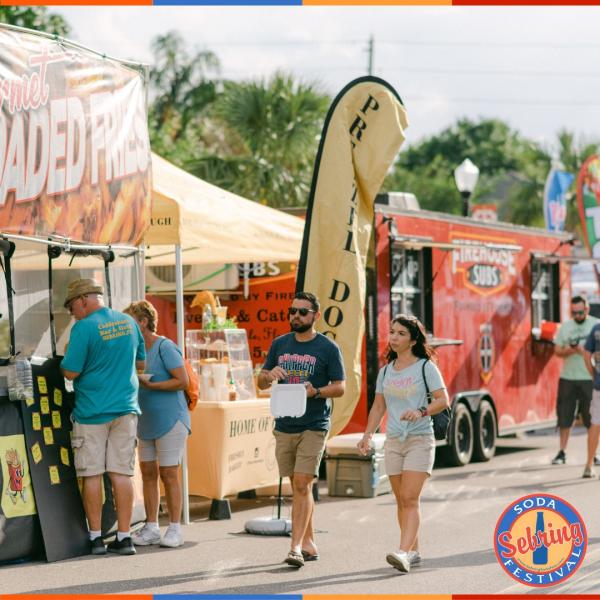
[
  {"x": 513, "y": 169},
  {"x": 427, "y": 169},
  {"x": 269, "y": 137},
  {"x": 181, "y": 89},
  {"x": 36, "y": 17},
  {"x": 572, "y": 154}
]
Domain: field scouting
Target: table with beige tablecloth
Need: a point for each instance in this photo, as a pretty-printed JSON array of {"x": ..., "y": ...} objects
[{"x": 232, "y": 448}]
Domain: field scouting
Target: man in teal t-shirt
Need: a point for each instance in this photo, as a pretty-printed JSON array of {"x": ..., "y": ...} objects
[
  {"x": 105, "y": 348},
  {"x": 575, "y": 383}
]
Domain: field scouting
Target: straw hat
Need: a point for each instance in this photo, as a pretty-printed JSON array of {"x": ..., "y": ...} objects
[{"x": 81, "y": 287}]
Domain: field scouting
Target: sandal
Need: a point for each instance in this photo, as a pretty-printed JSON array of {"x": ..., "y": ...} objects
[
  {"x": 294, "y": 559},
  {"x": 308, "y": 557}
]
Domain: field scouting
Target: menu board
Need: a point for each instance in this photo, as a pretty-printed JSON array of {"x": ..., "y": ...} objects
[{"x": 47, "y": 427}]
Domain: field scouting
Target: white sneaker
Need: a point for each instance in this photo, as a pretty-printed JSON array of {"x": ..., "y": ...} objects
[
  {"x": 414, "y": 558},
  {"x": 399, "y": 560},
  {"x": 171, "y": 539},
  {"x": 146, "y": 536}
]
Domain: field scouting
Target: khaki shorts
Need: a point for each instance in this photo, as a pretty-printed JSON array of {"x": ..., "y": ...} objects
[
  {"x": 595, "y": 408},
  {"x": 415, "y": 453},
  {"x": 107, "y": 447},
  {"x": 299, "y": 452},
  {"x": 168, "y": 449}
]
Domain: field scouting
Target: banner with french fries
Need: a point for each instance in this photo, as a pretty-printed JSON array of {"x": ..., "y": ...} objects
[{"x": 74, "y": 147}]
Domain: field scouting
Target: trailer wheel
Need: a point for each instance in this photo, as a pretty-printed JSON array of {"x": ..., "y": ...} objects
[
  {"x": 461, "y": 437},
  {"x": 485, "y": 432}
]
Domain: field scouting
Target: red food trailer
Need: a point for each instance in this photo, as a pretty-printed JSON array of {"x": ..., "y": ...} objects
[{"x": 484, "y": 291}]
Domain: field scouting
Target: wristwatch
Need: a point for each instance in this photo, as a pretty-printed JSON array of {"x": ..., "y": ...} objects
[{"x": 317, "y": 392}]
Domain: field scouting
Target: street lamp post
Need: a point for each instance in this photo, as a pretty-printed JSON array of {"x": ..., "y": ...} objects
[{"x": 466, "y": 176}]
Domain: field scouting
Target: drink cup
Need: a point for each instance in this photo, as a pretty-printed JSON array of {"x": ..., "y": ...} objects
[
  {"x": 219, "y": 372},
  {"x": 221, "y": 314}
]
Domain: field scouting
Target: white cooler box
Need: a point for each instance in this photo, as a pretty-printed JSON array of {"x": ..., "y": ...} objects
[{"x": 349, "y": 473}]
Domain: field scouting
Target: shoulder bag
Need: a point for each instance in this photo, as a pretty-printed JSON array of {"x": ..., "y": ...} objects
[
  {"x": 192, "y": 391},
  {"x": 441, "y": 421}
]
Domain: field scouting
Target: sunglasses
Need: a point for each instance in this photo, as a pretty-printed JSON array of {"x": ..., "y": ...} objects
[
  {"x": 577, "y": 312},
  {"x": 303, "y": 311}
]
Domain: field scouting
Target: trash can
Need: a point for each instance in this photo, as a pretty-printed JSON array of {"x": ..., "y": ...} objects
[{"x": 349, "y": 473}]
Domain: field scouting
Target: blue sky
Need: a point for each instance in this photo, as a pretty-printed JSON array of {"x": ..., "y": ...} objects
[{"x": 530, "y": 66}]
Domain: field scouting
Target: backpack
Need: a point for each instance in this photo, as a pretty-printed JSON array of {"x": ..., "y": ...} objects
[
  {"x": 441, "y": 420},
  {"x": 192, "y": 391}
]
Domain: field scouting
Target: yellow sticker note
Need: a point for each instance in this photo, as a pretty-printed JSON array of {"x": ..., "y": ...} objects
[
  {"x": 42, "y": 385},
  {"x": 56, "y": 422},
  {"x": 48, "y": 436},
  {"x": 58, "y": 397},
  {"x": 64, "y": 456},
  {"x": 36, "y": 452},
  {"x": 29, "y": 400},
  {"x": 44, "y": 405},
  {"x": 36, "y": 421},
  {"x": 54, "y": 475}
]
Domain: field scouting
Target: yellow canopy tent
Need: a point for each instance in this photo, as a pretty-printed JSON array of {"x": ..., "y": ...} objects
[
  {"x": 194, "y": 222},
  {"x": 212, "y": 225}
]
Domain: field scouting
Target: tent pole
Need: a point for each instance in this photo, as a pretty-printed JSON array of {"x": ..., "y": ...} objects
[{"x": 181, "y": 344}]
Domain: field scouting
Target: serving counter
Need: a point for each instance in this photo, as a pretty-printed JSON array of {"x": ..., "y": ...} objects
[{"x": 232, "y": 448}]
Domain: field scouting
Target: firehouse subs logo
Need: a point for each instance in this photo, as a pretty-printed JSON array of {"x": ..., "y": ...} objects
[
  {"x": 487, "y": 352},
  {"x": 484, "y": 270},
  {"x": 540, "y": 540},
  {"x": 17, "y": 496}
]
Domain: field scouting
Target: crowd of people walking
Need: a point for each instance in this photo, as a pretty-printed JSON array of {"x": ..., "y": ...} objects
[{"x": 119, "y": 407}]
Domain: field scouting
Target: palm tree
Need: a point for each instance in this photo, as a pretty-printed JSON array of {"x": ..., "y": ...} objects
[
  {"x": 180, "y": 92},
  {"x": 269, "y": 136},
  {"x": 572, "y": 155}
]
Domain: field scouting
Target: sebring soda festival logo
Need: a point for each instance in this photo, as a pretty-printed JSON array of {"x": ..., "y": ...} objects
[{"x": 540, "y": 540}]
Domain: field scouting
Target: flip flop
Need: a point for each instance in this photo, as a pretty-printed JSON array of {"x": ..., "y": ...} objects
[
  {"x": 308, "y": 557},
  {"x": 294, "y": 559}
]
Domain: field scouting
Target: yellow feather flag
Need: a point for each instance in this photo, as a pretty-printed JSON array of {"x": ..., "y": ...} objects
[{"x": 363, "y": 132}]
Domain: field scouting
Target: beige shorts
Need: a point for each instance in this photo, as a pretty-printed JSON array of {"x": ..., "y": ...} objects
[
  {"x": 168, "y": 449},
  {"x": 299, "y": 452},
  {"x": 107, "y": 447},
  {"x": 415, "y": 453},
  {"x": 595, "y": 408}
]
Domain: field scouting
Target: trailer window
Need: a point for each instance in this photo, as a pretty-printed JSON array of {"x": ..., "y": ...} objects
[
  {"x": 408, "y": 283},
  {"x": 544, "y": 292}
]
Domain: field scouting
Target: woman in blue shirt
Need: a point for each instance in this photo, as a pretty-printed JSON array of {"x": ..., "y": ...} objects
[
  {"x": 163, "y": 427},
  {"x": 410, "y": 444}
]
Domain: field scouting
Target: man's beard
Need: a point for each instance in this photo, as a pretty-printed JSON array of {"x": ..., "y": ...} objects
[
  {"x": 300, "y": 327},
  {"x": 580, "y": 320}
]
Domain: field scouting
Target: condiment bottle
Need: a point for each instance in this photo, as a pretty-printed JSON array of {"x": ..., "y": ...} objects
[{"x": 232, "y": 390}]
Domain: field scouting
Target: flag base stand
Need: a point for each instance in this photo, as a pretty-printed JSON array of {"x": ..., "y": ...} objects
[{"x": 270, "y": 525}]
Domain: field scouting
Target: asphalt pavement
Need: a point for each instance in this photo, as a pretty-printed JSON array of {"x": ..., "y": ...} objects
[{"x": 460, "y": 507}]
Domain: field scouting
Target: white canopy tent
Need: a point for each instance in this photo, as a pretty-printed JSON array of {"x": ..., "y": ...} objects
[{"x": 194, "y": 222}]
